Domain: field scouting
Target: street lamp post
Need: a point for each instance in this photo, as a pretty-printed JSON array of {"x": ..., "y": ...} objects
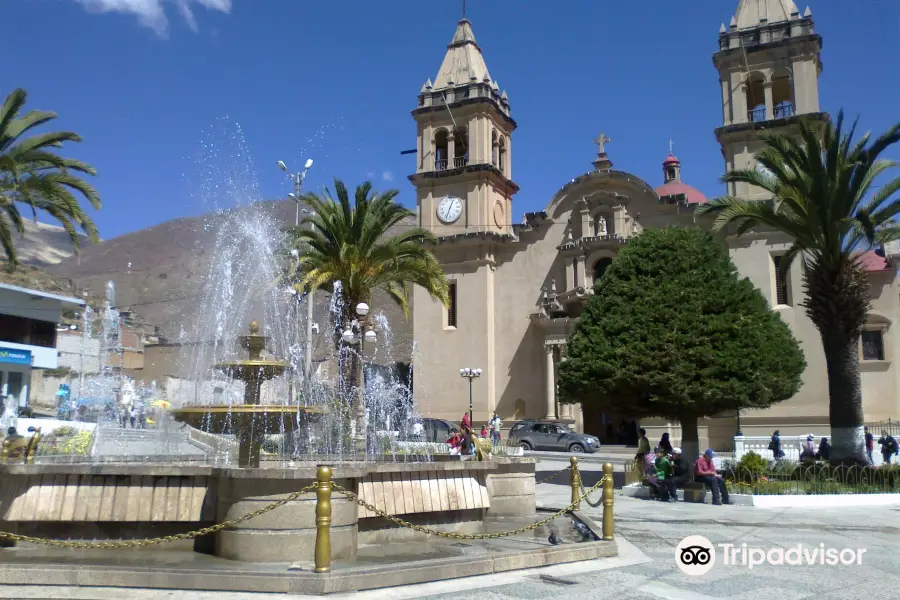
[
  {"x": 297, "y": 179},
  {"x": 470, "y": 374},
  {"x": 353, "y": 335}
]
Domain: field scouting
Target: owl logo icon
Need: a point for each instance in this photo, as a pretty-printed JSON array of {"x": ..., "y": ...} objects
[{"x": 695, "y": 555}]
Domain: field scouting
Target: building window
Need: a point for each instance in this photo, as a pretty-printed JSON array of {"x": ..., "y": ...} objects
[
  {"x": 451, "y": 305},
  {"x": 600, "y": 268},
  {"x": 872, "y": 344},
  {"x": 441, "y": 143},
  {"x": 782, "y": 283}
]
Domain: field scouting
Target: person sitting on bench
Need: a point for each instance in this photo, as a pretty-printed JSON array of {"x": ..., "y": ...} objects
[
  {"x": 680, "y": 473},
  {"x": 705, "y": 473}
]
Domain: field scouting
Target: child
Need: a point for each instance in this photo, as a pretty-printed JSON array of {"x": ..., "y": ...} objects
[
  {"x": 484, "y": 431},
  {"x": 454, "y": 442}
]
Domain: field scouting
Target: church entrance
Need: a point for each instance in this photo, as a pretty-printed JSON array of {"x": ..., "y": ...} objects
[{"x": 610, "y": 427}]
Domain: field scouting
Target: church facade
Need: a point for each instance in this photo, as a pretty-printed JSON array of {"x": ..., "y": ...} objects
[{"x": 517, "y": 290}]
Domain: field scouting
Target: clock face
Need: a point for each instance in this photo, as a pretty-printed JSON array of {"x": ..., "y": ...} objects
[{"x": 449, "y": 209}]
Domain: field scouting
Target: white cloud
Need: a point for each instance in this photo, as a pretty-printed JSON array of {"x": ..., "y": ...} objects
[
  {"x": 152, "y": 13},
  {"x": 387, "y": 176}
]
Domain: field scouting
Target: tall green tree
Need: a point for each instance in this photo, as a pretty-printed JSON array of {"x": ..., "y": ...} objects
[
  {"x": 351, "y": 241},
  {"x": 824, "y": 196},
  {"x": 33, "y": 174},
  {"x": 672, "y": 331}
]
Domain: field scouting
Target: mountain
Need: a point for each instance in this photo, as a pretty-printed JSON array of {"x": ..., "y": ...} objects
[
  {"x": 44, "y": 244},
  {"x": 159, "y": 274}
]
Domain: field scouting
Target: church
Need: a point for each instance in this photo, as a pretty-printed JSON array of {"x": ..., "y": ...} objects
[{"x": 517, "y": 289}]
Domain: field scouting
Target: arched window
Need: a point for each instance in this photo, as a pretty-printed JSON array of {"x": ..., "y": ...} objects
[
  {"x": 502, "y": 155},
  {"x": 440, "y": 150},
  {"x": 460, "y": 147},
  {"x": 494, "y": 147},
  {"x": 756, "y": 98},
  {"x": 783, "y": 93},
  {"x": 600, "y": 268}
]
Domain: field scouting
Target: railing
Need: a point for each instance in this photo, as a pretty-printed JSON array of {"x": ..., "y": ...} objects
[
  {"x": 440, "y": 165},
  {"x": 892, "y": 428},
  {"x": 460, "y": 161},
  {"x": 811, "y": 478},
  {"x": 783, "y": 111},
  {"x": 756, "y": 115},
  {"x": 790, "y": 445}
]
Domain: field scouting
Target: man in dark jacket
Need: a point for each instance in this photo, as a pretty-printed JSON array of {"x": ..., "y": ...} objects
[{"x": 680, "y": 473}]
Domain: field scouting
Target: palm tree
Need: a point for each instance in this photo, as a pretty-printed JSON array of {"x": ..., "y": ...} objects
[
  {"x": 351, "y": 243},
  {"x": 824, "y": 197},
  {"x": 32, "y": 173}
]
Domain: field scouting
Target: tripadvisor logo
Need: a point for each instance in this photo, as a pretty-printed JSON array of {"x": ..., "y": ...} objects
[{"x": 695, "y": 555}]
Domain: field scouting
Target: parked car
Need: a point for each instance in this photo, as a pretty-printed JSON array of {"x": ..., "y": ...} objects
[
  {"x": 547, "y": 435},
  {"x": 437, "y": 430}
]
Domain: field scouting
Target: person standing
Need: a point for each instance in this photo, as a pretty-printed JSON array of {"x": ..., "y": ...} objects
[
  {"x": 775, "y": 446},
  {"x": 496, "y": 424},
  {"x": 705, "y": 472},
  {"x": 888, "y": 446},
  {"x": 466, "y": 422},
  {"x": 870, "y": 445},
  {"x": 665, "y": 444},
  {"x": 643, "y": 451}
]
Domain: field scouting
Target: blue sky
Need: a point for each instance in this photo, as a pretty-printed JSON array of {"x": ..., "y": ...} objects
[{"x": 159, "y": 101}]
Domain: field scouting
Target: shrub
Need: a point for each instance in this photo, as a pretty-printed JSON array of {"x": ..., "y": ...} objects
[
  {"x": 751, "y": 467},
  {"x": 65, "y": 431}
]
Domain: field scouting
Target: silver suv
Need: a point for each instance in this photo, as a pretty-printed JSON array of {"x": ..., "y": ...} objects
[{"x": 547, "y": 435}]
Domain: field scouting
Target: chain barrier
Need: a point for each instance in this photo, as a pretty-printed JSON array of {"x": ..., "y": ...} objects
[
  {"x": 585, "y": 493},
  {"x": 463, "y": 536},
  {"x": 160, "y": 540},
  {"x": 554, "y": 476},
  {"x": 293, "y": 496}
]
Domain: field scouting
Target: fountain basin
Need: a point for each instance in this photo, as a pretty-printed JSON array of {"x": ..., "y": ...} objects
[
  {"x": 122, "y": 501},
  {"x": 250, "y": 370},
  {"x": 249, "y": 423}
]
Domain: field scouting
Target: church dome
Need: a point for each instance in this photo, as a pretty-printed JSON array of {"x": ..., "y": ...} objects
[{"x": 674, "y": 190}]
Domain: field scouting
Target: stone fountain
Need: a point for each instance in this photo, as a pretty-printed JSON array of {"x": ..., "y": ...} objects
[{"x": 251, "y": 421}]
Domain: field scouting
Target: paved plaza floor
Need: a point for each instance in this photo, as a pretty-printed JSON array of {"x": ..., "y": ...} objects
[{"x": 648, "y": 533}]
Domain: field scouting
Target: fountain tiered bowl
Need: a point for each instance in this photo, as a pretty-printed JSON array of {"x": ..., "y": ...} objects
[{"x": 251, "y": 421}]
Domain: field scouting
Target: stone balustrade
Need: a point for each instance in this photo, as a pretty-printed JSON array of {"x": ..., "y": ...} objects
[{"x": 790, "y": 445}]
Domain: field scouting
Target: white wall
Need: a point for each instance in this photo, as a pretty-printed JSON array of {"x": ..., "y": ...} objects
[{"x": 70, "y": 347}]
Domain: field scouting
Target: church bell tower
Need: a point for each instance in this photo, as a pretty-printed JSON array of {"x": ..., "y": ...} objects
[
  {"x": 463, "y": 175},
  {"x": 769, "y": 65}
]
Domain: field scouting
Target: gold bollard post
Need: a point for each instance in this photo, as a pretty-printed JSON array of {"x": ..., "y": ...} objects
[
  {"x": 323, "y": 519},
  {"x": 576, "y": 483},
  {"x": 609, "y": 529}
]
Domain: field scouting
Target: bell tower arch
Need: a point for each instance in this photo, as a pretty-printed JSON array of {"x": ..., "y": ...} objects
[{"x": 769, "y": 61}]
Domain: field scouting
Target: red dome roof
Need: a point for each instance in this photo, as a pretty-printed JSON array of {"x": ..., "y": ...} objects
[
  {"x": 671, "y": 160},
  {"x": 674, "y": 188}
]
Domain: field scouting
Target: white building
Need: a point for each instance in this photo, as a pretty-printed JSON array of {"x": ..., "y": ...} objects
[{"x": 28, "y": 334}]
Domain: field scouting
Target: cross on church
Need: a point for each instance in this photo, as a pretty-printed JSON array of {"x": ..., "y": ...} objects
[{"x": 601, "y": 143}]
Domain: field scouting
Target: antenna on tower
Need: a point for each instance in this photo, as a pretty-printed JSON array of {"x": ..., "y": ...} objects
[
  {"x": 464, "y": 9},
  {"x": 670, "y": 145}
]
